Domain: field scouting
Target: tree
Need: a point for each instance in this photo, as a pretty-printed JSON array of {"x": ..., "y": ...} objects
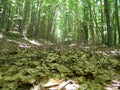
[
  {"x": 117, "y": 20},
  {"x": 109, "y": 30}
]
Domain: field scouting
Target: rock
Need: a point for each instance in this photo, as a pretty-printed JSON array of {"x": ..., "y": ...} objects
[
  {"x": 61, "y": 85},
  {"x": 51, "y": 83},
  {"x": 36, "y": 87},
  {"x": 64, "y": 84},
  {"x": 114, "y": 86},
  {"x": 72, "y": 86},
  {"x": 53, "y": 88}
]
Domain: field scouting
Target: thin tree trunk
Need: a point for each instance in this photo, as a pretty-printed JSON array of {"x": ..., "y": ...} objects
[
  {"x": 91, "y": 23},
  {"x": 85, "y": 26},
  {"x": 117, "y": 20},
  {"x": 102, "y": 27}
]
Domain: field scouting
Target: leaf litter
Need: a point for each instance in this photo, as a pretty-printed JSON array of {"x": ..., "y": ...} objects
[{"x": 31, "y": 68}]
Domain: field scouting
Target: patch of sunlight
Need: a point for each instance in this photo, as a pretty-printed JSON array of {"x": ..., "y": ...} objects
[
  {"x": 58, "y": 35},
  {"x": 1, "y": 35},
  {"x": 58, "y": 30},
  {"x": 32, "y": 41}
]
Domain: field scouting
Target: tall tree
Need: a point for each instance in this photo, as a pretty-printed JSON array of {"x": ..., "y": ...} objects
[
  {"x": 109, "y": 30},
  {"x": 26, "y": 16},
  {"x": 103, "y": 36},
  {"x": 117, "y": 20},
  {"x": 3, "y": 17},
  {"x": 85, "y": 21}
]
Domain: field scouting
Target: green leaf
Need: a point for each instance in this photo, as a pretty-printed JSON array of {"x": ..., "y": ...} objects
[{"x": 83, "y": 86}]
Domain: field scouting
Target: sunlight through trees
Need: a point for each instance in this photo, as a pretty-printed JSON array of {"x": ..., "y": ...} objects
[{"x": 63, "y": 21}]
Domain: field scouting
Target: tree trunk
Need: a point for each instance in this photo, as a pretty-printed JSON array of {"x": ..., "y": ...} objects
[
  {"x": 102, "y": 25},
  {"x": 109, "y": 30},
  {"x": 117, "y": 20},
  {"x": 85, "y": 24},
  {"x": 91, "y": 24}
]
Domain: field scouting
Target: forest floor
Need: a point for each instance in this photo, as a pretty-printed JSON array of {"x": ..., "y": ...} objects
[{"x": 24, "y": 64}]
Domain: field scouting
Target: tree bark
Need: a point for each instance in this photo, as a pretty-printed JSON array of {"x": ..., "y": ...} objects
[
  {"x": 117, "y": 20},
  {"x": 109, "y": 30}
]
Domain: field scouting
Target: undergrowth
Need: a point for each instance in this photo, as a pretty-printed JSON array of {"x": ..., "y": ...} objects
[{"x": 25, "y": 67}]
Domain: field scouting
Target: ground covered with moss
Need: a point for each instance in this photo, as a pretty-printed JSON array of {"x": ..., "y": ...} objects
[{"x": 20, "y": 68}]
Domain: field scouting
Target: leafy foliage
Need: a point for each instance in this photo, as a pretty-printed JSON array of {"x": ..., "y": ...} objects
[{"x": 91, "y": 70}]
